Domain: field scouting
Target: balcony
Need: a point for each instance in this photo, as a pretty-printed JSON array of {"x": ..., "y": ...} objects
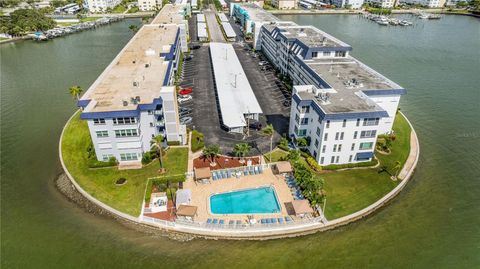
[
  {"x": 158, "y": 112},
  {"x": 160, "y": 123}
]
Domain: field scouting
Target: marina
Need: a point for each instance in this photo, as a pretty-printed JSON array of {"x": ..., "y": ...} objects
[{"x": 385, "y": 21}]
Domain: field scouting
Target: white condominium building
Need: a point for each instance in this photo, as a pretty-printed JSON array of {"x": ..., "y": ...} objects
[
  {"x": 134, "y": 99},
  {"x": 175, "y": 14},
  {"x": 147, "y": 5},
  {"x": 339, "y": 105},
  {"x": 382, "y": 3},
  {"x": 355, "y": 4},
  {"x": 101, "y": 5}
]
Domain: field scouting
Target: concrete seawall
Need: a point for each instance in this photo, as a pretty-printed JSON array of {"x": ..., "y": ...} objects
[{"x": 297, "y": 229}]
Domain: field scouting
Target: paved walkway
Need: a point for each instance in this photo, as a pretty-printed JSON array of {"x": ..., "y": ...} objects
[
  {"x": 411, "y": 160},
  {"x": 216, "y": 34}
]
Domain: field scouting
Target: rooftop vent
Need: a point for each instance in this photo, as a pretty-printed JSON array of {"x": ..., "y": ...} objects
[
  {"x": 150, "y": 52},
  {"x": 137, "y": 98},
  {"x": 135, "y": 84},
  {"x": 125, "y": 103},
  {"x": 147, "y": 65},
  {"x": 133, "y": 101}
]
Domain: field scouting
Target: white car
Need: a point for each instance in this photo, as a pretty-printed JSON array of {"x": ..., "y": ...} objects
[
  {"x": 184, "y": 98},
  {"x": 262, "y": 63},
  {"x": 186, "y": 120}
]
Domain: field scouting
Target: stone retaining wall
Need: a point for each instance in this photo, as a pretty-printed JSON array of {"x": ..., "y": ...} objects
[{"x": 263, "y": 233}]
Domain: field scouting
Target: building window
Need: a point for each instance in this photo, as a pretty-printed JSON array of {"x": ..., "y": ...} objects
[
  {"x": 368, "y": 134},
  {"x": 129, "y": 120},
  {"x": 338, "y": 158},
  {"x": 336, "y": 135},
  {"x": 322, "y": 160},
  {"x": 325, "y": 138},
  {"x": 328, "y": 124},
  {"x": 353, "y": 146},
  {"x": 350, "y": 158},
  {"x": 344, "y": 123},
  {"x": 339, "y": 147},
  {"x": 342, "y": 135},
  {"x": 102, "y": 133},
  {"x": 335, "y": 148},
  {"x": 106, "y": 157},
  {"x": 324, "y": 148},
  {"x": 126, "y": 132},
  {"x": 314, "y": 154},
  {"x": 314, "y": 54},
  {"x": 340, "y": 53},
  {"x": 128, "y": 156},
  {"x": 302, "y": 132},
  {"x": 366, "y": 145},
  {"x": 326, "y": 53},
  {"x": 318, "y": 131},
  {"x": 316, "y": 142},
  {"x": 304, "y": 121},
  {"x": 358, "y": 122},
  {"x": 297, "y": 119},
  {"x": 99, "y": 121},
  {"x": 355, "y": 134},
  {"x": 305, "y": 109},
  {"x": 371, "y": 121},
  {"x": 333, "y": 159}
]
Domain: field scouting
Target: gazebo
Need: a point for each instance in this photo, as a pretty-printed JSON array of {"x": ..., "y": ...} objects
[
  {"x": 301, "y": 207},
  {"x": 187, "y": 211},
  {"x": 202, "y": 173},
  {"x": 284, "y": 167}
]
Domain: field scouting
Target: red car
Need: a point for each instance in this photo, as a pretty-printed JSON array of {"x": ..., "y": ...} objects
[{"x": 185, "y": 91}]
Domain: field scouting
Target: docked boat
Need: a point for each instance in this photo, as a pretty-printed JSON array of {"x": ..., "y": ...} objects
[{"x": 383, "y": 21}]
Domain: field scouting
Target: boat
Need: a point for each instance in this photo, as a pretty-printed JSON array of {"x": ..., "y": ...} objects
[
  {"x": 404, "y": 23},
  {"x": 434, "y": 16},
  {"x": 423, "y": 16},
  {"x": 382, "y": 20}
]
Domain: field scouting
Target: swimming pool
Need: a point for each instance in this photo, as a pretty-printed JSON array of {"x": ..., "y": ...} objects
[{"x": 250, "y": 201}]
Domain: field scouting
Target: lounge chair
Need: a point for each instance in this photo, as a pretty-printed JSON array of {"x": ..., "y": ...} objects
[
  {"x": 288, "y": 218},
  {"x": 280, "y": 220},
  {"x": 209, "y": 221},
  {"x": 226, "y": 174},
  {"x": 221, "y": 222},
  {"x": 260, "y": 169},
  {"x": 231, "y": 222},
  {"x": 255, "y": 170},
  {"x": 251, "y": 170},
  {"x": 214, "y": 176},
  {"x": 239, "y": 222},
  {"x": 263, "y": 221},
  {"x": 245, "y": 172},
  {"x": 215, "y": 221},
  {"x": 268, "y": 221},
  {"x": 229, "y": 173},
  {"x": 273, "y": 220}
]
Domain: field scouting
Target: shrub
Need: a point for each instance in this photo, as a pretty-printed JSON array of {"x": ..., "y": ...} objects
[
  {"x": 148, "y": 157},
  {"x": 313, "y": 164},
  {"x": 197, "y": 141},
  {"x": 173, "y": 143},
  {"x": 284, "y": 147},
  {"x": 350, "y": 165},
  {"x": 94, "y": 163}
]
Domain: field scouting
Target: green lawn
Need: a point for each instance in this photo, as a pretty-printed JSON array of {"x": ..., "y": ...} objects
[
  {"x": 100, "y": 182},
  {"x": 119, "y": 9},
  {"x": 352, "y": 190},
  {"x": 277, "y": 155}
]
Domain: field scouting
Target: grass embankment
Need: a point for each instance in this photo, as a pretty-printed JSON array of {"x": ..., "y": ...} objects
[
  {"x": 100, "y": 183},
  {"x": 351, "y": 190}
]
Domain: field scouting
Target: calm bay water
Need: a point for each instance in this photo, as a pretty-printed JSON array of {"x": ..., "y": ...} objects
[{"x": 434, "y": 223}]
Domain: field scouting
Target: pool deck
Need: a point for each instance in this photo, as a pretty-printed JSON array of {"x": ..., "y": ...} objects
[{"x": 201, "y": 194}]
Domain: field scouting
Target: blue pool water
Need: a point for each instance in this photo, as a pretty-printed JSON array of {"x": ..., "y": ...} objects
[{"x": 260, "y": 200}]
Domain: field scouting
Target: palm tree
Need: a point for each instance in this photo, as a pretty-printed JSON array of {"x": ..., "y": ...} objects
[
  {"x": 396, "y": 168},
  {"x": 269, "y": 131},
  {"x": 75, "y": 91},
  {"x": 157, "y": 145},
  {"x": 211, "y": 151},
  {"x": 241, "y": 149},
  {"x": 293, "y": 155}
]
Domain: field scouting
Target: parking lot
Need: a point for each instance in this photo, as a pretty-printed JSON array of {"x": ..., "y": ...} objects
[{"x": 270, "y": 92}]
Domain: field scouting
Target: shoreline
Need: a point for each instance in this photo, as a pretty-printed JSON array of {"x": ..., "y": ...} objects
[
  {"x": 359, "y": 12},
  {"x": 181, "y": 231}
]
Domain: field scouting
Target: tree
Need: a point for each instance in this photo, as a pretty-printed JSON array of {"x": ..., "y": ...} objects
[
  {"x": 75, "y": 91},
  {"x": 302, "y": 142},
  {"x": 293, "y": 155},
  {"x": 211, "y": 151},
  {"x": 157, "y": 144},
  {"x": 133, "y": 27},
  {"x": 241, "y": 149},
  {"x": 269, "y": 131}
]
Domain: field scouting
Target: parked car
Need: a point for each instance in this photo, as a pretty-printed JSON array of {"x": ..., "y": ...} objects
[
  {"x": 256, "y": 126},
  {"x": 189, "y": 57},
  {"x": 262, "y": 63},
  {"x": 186, "y": 120},
  {"x": 185, "y": 91},
  {"x": 185, "y": 110},
  {"x": 195, "y": 45},
  {"x": 184, "y": 98}
]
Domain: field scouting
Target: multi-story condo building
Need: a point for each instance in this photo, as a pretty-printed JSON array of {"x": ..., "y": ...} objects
[
  {"x": 382, "y": 3},
  {"x": 175, "y": 14},
  {"x": 355, "y": 4},
  {"x": 284, "y": 4},
  {"x": 147, "y": 5},
  {"x": 339, "y": 104},
  {"x": 134, "y": 99},
  {"x": 100, "y": 5},
  {"x": 426, "y": 3}
]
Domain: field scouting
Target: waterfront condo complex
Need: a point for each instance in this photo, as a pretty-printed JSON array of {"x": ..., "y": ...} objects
[
  {"x": 339, "y": 105},
  {"x": 134, "y": 99}
]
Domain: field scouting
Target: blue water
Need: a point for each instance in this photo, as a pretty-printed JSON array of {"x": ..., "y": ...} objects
[{"x": 261, "y": 200}]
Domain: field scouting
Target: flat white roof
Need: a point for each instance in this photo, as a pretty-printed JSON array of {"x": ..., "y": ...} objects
[
  {"x": 202, "y": 29},
  {"x": 228, "y": 29},
  {"x": 200, "y": 17},
  {"x": 194, "y": 3},
  {"x": 222, "y": 17},
  {"x": 235, "y": 94},
  {"x": 223, "y": 3}
]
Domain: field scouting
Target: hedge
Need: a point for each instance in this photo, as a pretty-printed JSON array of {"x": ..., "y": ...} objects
[{"x": 350, "y": 165}]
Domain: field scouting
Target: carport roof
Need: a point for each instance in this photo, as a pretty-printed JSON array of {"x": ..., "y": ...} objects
[{"x": 235, "y": 95}]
